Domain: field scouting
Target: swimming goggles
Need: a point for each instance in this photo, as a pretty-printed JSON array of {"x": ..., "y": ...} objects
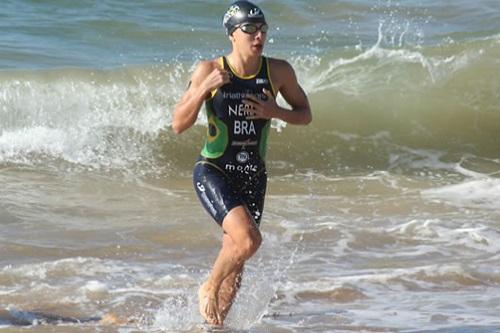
[{"x": 250, "y": 28}]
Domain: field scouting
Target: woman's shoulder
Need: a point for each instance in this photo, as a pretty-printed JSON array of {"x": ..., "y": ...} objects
[
  {"x": 281, "y": 72},
  {"x": 280, "y": 65},
  {"x": 211, "y": 62},
  {"x": 208, "y": 65}
]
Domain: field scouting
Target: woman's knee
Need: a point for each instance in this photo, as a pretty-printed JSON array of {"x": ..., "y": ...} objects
[
  {"x": 249, "y": 244},
  {"x": 244, "y": 234},
  {"x": 244, "y": 244}
]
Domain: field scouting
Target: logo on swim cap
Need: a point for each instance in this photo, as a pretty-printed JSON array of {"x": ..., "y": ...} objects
[
  {"x": 255, "y": 12},
  {"x": 233, "y": 10},
  {"x": 242, "y": 12}
]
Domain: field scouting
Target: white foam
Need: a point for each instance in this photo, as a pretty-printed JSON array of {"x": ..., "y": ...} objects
[
  {"x": 430, "y": 159},
  {"x": 481, "y": 193},
  {"x": 447, "y": 236},
  {"x": 370, "y": 280},
  {"x": 62, "y": 267},
  {"x": 178, "y": 313},
  {"x": 76, "y": 117},
  {"x": 95, "y": 289},
  {"x": 25, "y": 141},
  {"x": 417, "y": 228},
  {"x": 76, "y": 145}
]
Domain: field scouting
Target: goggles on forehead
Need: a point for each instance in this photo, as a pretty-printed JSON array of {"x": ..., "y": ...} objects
[{"x": 251, "y": 28}]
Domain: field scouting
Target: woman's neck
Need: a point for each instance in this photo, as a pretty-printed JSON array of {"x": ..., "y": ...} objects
[{"x": 244, "y": 66}]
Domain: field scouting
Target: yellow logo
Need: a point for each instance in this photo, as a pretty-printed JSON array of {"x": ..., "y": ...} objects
[{"x": 233, "y": 10}]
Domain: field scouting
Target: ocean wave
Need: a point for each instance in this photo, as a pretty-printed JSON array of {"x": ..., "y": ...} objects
[{"x": 432, "y": 98}]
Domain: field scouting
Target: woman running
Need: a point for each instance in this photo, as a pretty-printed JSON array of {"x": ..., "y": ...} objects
[{"x": 230, "y": 178}]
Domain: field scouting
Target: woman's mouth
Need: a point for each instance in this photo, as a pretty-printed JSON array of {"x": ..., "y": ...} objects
[{"x": 257, "y": 47}]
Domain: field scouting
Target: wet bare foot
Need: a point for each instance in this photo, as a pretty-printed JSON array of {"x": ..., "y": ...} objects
[{"x": 208, "y": 305}]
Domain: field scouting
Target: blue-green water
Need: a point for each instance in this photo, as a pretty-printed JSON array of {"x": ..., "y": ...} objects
[
  {"x": 103, "y": 34},
  {"x": 382, "y": 215}
]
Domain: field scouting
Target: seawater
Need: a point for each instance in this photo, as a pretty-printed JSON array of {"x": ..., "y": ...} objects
[{"x": 382, "y": 215}]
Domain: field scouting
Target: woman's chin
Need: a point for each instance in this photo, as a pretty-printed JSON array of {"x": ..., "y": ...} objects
[{"x": 257, "y": 49}]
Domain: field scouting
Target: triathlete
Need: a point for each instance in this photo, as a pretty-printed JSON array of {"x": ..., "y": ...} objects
[{"x": 230, "y": 177}]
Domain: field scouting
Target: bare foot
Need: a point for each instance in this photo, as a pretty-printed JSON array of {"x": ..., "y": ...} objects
[{"x": 209, "y": 308}]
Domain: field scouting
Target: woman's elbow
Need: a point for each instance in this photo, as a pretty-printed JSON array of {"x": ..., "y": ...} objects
[
  {"x": 177, "y": 128},
  {"x": 307, "y": 119}
]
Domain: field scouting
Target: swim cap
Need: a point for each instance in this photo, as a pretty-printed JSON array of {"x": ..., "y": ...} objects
[{"x": 242, "y": 12}]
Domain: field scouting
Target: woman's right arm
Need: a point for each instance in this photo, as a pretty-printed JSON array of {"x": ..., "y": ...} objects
[{"x": 206, "y": 78}]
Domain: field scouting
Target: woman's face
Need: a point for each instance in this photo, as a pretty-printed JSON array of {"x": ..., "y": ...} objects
[{"x": 250, "y": 38}]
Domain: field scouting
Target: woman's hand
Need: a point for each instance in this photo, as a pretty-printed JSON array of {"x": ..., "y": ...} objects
[
  {"x": 262, "y": 109},
  {"x": 206, "y": 78},
  {"x": 216, "y": 79}
]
